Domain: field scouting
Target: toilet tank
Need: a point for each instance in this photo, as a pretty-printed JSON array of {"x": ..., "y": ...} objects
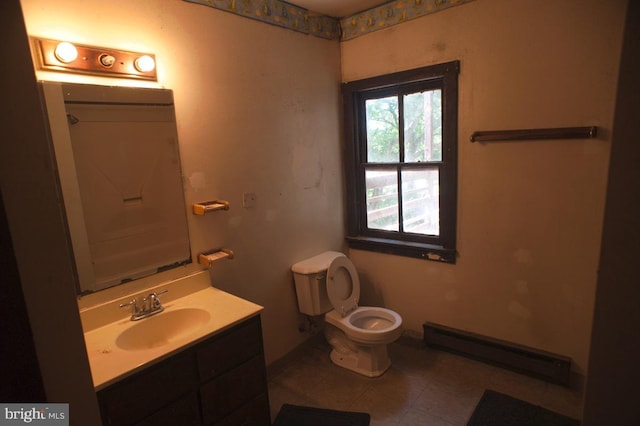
[{"x": 310, "y": 280}]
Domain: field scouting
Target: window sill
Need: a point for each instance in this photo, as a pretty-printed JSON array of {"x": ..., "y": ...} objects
[{"x": 403, "y": 248}]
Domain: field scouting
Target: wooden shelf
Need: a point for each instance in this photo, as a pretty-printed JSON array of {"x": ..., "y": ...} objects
[
  {"x": 535, "y": 134},
  {"x": 204, "y": 207}
]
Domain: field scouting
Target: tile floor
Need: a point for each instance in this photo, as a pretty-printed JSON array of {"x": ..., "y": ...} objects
[{"x": 422, "y": 387}]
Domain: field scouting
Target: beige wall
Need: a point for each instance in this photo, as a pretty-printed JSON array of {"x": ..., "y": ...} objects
[
  {"x": 529, "y": 213},
  {"x": 258, "y": 111}
]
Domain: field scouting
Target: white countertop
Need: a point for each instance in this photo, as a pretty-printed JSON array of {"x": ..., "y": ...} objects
[{"x": 110, "y": 363}]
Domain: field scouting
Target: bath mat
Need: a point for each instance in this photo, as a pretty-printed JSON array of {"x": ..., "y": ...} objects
[
  {"x": 295, "y": 415},
  {"x": 497, "y": 409}
]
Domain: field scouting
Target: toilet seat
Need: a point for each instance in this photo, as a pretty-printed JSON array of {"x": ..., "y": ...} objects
[{"x": 343, "y": 285}]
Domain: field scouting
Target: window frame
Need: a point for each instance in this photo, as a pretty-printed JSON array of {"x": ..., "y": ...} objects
[{"x": 442, "y": 247}]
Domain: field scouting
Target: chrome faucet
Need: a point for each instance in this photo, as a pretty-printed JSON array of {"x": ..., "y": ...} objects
[{"x": 150, "y": 306}]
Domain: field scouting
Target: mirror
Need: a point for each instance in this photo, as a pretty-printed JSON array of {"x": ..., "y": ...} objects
[{"x": 118, "y": 160}]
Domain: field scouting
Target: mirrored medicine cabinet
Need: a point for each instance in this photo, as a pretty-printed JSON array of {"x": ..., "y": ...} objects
[{"x": 118, "y": 162}]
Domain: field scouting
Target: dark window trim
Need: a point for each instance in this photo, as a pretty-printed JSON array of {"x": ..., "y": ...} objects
[{"x": 442, "y": 248}]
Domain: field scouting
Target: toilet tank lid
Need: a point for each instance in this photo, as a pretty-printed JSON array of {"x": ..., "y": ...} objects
[{"x": 316, "y": 263}]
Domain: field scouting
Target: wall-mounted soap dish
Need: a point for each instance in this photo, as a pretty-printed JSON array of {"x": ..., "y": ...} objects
[
  {"x": 206, "y": 259},
  {"x": 209, "y": 206}
]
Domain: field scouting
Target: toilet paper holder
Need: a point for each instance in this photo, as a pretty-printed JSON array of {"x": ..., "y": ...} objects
[{"x": 207, "y": 259}]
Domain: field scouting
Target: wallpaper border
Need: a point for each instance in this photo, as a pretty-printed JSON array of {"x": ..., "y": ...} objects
[{"x": 287, "y": 15}]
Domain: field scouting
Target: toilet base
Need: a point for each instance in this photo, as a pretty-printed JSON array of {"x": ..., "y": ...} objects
[
  {"x": 370, "y": 361},
  {"x": 361, "y": 364}
]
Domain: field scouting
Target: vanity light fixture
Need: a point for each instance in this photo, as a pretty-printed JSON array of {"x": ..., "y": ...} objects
[{"x": 54, "y": 55}]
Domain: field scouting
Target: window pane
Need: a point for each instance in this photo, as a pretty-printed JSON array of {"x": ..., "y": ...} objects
[
  {"x": 420, "y": 201},
  {"x": 423, "y": 126},
  {"x": 382, "y": 130},
  {"x": 382, "y": 200}
]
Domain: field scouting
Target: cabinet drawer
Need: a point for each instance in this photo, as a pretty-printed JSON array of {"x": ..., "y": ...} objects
[
  {"x": 137, "y": 397},
  {"x": 183, "y": 412},
  {"x": 233, "y": 389},
  {"x": 231, "y": 349},
  {"x": 253, "y": 413}
]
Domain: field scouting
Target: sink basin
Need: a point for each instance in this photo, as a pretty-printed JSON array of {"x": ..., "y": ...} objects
[{"x": 162, "y": 329}]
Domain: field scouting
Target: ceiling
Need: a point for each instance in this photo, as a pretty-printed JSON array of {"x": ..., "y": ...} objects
[{"x": 337, "y": 8}]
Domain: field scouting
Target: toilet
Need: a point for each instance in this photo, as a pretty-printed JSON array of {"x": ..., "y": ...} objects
[{"x": 328, "y": 284}]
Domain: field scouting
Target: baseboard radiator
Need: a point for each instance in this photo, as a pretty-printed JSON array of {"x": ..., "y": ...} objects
[{"x": 543, "y": 365}]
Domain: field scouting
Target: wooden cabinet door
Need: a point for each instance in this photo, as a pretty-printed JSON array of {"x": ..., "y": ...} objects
[
  {"x": 232, "y": 390},
  {"x": 135, "y": 398}
]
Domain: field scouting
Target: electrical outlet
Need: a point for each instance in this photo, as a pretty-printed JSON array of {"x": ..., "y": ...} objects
[{"x": 248, "y": 200}]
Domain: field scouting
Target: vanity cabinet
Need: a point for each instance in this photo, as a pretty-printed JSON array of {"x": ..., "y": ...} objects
[{"x": 220, "y": 381}]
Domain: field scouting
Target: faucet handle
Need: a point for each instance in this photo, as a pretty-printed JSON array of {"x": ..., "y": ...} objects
[
  {"x": 154, "y": 300},
  {"x": 133, "y": 304}
]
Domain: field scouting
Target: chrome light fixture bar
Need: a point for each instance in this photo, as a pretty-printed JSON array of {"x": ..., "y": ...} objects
[{"x": 54, "y": 55}]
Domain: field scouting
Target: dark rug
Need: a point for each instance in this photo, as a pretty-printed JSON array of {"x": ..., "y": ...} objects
[
  {"x": 295, "y": 415},
  {"x": 497, "y": 409}
]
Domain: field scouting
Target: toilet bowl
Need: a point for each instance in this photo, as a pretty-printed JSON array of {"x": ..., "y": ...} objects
[
  {"x": 359, "y": 340},
  {"x": 329, "y": 284},
  {"x": 368, "y": 324}
]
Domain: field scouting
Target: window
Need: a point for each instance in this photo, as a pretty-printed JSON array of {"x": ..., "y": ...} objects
[{"x": 401, "y": 162}]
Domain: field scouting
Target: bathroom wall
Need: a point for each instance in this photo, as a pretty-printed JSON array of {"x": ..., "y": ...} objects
[
  {"x": 615, "y": 347},
  {"x": 44, "y": 265},
  {"x": 529, "y": 213},
  {"x": 258, "y": 111}
]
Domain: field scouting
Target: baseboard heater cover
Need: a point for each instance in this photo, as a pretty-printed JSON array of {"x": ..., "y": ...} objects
[{"x": 533, "y": 362}]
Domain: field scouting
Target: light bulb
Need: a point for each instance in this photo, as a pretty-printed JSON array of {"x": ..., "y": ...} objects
[
  {"x": 145, "y": 63},
  {"x": 106, "y": 60},
  {"x": 66, "y": 52}
]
